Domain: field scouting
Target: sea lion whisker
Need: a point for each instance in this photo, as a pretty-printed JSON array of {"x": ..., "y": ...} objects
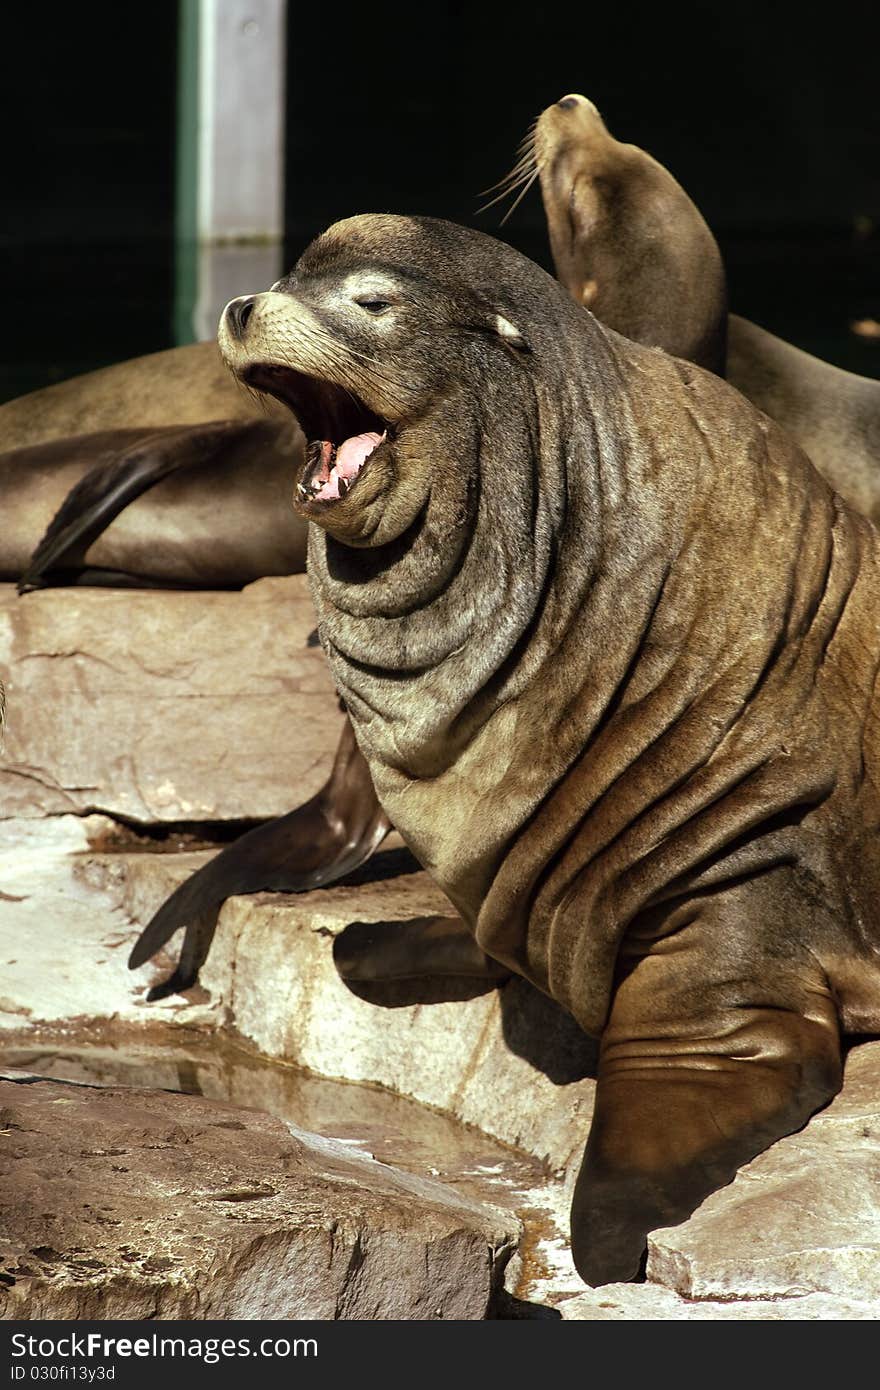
[
  {"x": 353, "y": 376},
  {"x": 523, "y": 166},
  {"x": 340, "y": 356},
  {"x": 513, "y": 207},
  {"x": 320, "y": 418},
  {"x": 256, "y": 396},
  {"x": 523, "y": 181},
  {"x": 525, "y": 163},
  {"x": 511, "y": 181}
]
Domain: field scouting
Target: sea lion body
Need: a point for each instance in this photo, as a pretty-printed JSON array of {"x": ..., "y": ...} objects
[
  {"x": 205, "y": 472},
  {"x": 834, "y": 415},
  {"x": 221, "y": 516},
  {"x": 610, "y": 648},
  {"x": 180, "y": 386},
  {"x": 628, "y": 242}
]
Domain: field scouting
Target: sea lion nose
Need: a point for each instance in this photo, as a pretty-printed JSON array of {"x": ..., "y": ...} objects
[
  {"x": 573, "y": 99},
  {"x": 237, "y": 313}
]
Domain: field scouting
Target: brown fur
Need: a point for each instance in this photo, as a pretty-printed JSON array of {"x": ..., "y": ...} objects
[
  {"x": 628, "y": 242},
  {"x": 610, "y": 647},
  {"x": 222, "y": 510}
]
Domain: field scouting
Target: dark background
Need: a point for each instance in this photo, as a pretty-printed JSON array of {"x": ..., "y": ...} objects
[{"x": 766, "y": 115}]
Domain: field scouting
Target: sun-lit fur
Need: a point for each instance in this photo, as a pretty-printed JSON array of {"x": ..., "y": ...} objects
[
  {"x": 610, "y": 205},
  {"x": 629, "y": 244},
  {"x": 615, "y": 682}
]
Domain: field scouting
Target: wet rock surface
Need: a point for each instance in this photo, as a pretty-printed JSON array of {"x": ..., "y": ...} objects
[
  {"x": 507, "y": 1061},
  {"x": 127, "y": 1204},
  {"x": 163, "y": 707},
  {"x": 110, "y": 710},
  {"x": 794, "y": 1237}
]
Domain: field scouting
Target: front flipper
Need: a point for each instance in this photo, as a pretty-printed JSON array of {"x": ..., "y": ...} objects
[
  {"x": 318, "y": 843},
  {"x": 139, "y": 461},
  {"x": 696, "y": 1077},
  {"x": 372, "y": 952}
]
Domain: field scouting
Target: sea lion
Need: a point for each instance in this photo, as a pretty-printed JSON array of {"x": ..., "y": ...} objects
[
  {"x": 629, "y": 244},
  {"x": 180, "y": 386},
  {"x": 158, "y": 471},
  {"x": 627, "y": 241},
  {"x": 609, "y": 645},
  {"x": 212, "y": 506}
]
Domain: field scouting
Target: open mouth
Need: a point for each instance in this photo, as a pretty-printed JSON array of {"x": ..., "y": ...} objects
[{"x": 342, "y": 433}]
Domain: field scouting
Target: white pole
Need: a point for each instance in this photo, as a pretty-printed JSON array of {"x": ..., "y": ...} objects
[{"x": 230, "y": 155}]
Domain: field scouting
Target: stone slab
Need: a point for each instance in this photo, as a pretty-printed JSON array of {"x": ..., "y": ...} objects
[
  {"x": 164, "y": 706},
  {"x": 144, "y": 1204},
  {"x": 794, "y": 1237},
  {"x": 508, "y": 1061}
]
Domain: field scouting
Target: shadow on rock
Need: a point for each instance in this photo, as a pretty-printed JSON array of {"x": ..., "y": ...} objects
[
  {"x": 534, "y": 1027},
  {"x": 538, "y": 1030},
  {"x": 401, "y": 994},
  {"x": 508, "y": 1307}
]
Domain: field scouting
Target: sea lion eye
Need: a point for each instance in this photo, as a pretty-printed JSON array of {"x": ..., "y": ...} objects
[{"x": 373, "y": 306}]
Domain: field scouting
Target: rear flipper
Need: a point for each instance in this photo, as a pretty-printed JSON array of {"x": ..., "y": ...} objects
[
  {"x": 141, "y": 459},
  {"x": 332, "y": 834},
  {"x": 371, "y": 952}
]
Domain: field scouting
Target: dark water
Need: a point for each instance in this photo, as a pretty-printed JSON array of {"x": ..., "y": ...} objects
[
  {"x": 89, "y": 306},
  {"x": 768, "y": 120}
]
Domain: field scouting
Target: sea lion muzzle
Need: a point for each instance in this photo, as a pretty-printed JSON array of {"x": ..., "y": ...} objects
[
  {"x": 278, "y": 344},
  {"x": 342, "y": 432}
]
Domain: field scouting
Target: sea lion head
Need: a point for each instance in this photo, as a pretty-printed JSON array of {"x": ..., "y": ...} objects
[
  {"x": 389, "y": 340},
  {"x": 627, "y": 241},
  {"x": 439, "y": 377},
  {"x": 381, "y": 340}
]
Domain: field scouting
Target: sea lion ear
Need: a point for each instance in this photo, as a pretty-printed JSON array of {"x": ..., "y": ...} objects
[
  {"x": 588, "y": 292},
  {"x": 509, "y": 333}
]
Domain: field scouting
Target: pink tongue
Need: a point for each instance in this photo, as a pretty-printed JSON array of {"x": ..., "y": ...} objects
[
  {"x": 351, "y": 456},
  {"x": 354, "y": 452}
]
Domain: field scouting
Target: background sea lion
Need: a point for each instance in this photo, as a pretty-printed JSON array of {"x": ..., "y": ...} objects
[
  {"x": 609, "y": 644},
  {"x": 211, "y": 506},
  {"x": 181, "y": 386},
  {"x": 160, "y": 470},
  {"x": 629, "y": 244},
  {"x": 627, "y": 241}
]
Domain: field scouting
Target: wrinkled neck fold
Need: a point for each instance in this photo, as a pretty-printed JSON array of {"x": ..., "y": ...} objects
[{"x": 456, "y": 617}]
